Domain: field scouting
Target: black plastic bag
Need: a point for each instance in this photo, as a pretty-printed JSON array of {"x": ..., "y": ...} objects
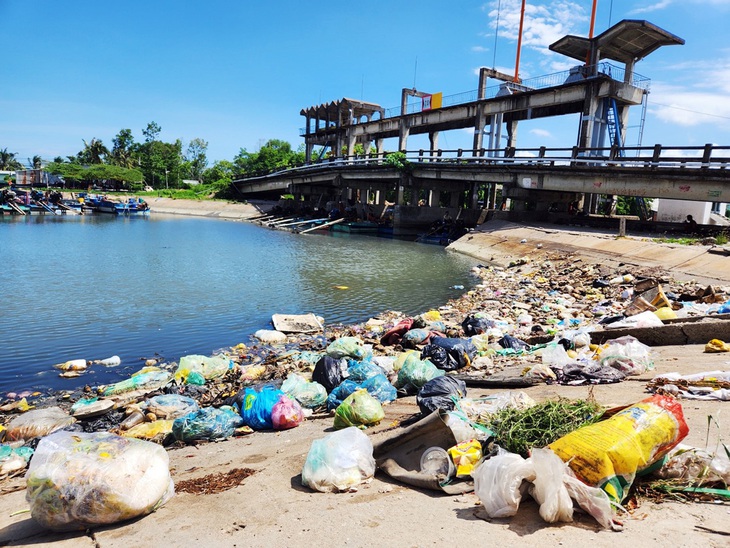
[
  {"x": 508, "y": 341},
  {"x": 438, "y": 393},
  {"x": 449, "y": 353},
  {"x": 476, "y": 326},
  {"x": 329, "y": 372}
]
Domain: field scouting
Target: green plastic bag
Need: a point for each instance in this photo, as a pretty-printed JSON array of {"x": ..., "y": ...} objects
[
  {"x": 415, "y": 373},
  {"x": 358, "y": 409},
  {"x": 347, "y": 347}
]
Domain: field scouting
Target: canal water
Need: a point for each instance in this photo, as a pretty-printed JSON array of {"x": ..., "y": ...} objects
[{"x": 96, "y": 286}]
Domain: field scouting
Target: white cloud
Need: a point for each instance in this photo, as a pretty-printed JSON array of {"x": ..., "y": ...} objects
[
  {"x": 662, "y": 4},
  {"x": 543, "y": 24},
  {"x": 542, "y": 133},
  {"x": 479, "y": 49},
  {"x": 703, "y": 101}
]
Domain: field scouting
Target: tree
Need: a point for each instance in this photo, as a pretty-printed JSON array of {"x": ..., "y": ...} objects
[
  {"x": 196, "y": 158},
  {"x": 94, "y": 152},
  {"x": 122, "y": 149},
  {"x": 36, "y": 162},
  {"x": 274, "y": 155},
  {"x": 8, "y": 161},
  {"x": 151, "y": 132},
  {"x": 115, "y": 176}
]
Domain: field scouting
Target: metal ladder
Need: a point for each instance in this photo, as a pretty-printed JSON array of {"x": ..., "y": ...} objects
[{"x": 614, "y": 133}]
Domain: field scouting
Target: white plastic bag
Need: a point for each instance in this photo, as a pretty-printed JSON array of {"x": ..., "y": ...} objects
[
  {"x": 339, "y": 461},
  {"x": 78, "y": 480},
  {"x": 548, "y": 488},
  {"x": 501, "y": 481},
  {"x": 498, "y": 482}
]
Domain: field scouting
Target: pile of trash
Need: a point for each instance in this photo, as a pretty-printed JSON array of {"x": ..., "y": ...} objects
[{"x": 537, "y": 319}]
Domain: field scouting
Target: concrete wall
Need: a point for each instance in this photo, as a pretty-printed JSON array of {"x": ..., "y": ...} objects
[{"x": 676, "y": 211}]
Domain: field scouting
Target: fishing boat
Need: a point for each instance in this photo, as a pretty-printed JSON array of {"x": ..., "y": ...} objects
[
  {"x": 133, "y": 206},
  {"x": 103, "y": 204},
  {"x": 356, "y": 227}
]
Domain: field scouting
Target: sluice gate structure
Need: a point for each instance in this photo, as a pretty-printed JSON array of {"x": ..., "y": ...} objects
[{"x": 347, "y": 161}]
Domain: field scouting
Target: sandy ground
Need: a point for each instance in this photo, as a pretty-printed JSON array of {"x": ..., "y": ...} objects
[{"x": 271, "y": 508}]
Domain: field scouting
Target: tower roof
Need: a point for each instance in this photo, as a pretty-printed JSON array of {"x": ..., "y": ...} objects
[{"x": 627, "y": 41}]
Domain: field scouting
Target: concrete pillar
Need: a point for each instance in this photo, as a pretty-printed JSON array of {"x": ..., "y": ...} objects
[
  {"x": 380, "y": 147},
  {"x": 454, "y": 199},
  {"x": 350, "y": 142},
  {"x": 399, "y": 193},
  {"x": 474, "y": 197},
  {"x": 495, "y": 132},
  {"x": 433, "y": 138},
  {"x": 429, "y": 198},
  {"x": 492, "y": 195},
  {"x": 403, "y": 132},
  {"x": 512, "y": 134}
]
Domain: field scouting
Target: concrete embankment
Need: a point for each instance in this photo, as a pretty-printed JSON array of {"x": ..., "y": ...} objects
[{"x": 501, "y": 241}]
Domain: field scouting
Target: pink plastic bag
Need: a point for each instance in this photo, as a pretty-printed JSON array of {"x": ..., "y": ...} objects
[{"x": 286, "y": 413}]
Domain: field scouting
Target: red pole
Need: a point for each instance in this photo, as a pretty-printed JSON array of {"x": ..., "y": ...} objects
[
  {"x": 590, "y": 32},
  {"x": 519, "y": 43},
  {"x": 593, "y": 18}
]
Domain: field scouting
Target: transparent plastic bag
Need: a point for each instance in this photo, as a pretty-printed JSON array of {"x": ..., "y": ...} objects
[
  {"x": 147, "y": 378},
  {"x": 415, "y": 373},
  {"x": 37, "y": 423},
  {"x": 628, "y": 355},
  {"x": 78, "y": 480},
  {"x": 205, "y": 367},
  {"x": 339, "y": 461},
  {"x": 171, "y": 406},
  {"x": 308, "y": 394}
]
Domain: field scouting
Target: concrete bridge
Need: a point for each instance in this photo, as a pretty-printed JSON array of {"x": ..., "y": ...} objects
[{"x": 682, "y": 173}]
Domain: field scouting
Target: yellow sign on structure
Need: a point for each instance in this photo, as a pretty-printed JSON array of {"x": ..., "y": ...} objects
[{"x": 432, "y": 102}]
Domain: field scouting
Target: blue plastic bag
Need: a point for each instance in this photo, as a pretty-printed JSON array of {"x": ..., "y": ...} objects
[
  {"x": 361, "y": 371},
  {"x": 209, "y": 423},
  {"x": 380, "y": 388},
  {"x": 257, "y": 406}
]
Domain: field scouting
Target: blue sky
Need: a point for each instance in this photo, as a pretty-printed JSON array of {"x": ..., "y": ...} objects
[{"x": 238, "y": 73}]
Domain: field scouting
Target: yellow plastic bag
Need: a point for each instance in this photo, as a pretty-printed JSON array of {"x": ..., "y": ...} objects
[
  {"x": 609, "y": 454},
  {"x": 155, "y": 430},
  {"x": 716, "y": 345}
]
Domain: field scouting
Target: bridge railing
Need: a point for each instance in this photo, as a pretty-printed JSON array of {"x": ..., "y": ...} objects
[{"x": 684, "y": 157}]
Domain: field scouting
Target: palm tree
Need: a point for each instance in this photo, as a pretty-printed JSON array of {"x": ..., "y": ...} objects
[
  {"x": 36, "y": 162},
  {"x": 8, "y": 162},
  {"x": 93, "y": 151}
]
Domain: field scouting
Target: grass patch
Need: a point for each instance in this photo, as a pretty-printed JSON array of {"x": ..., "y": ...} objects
[{"x": 681, "y": 241}]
